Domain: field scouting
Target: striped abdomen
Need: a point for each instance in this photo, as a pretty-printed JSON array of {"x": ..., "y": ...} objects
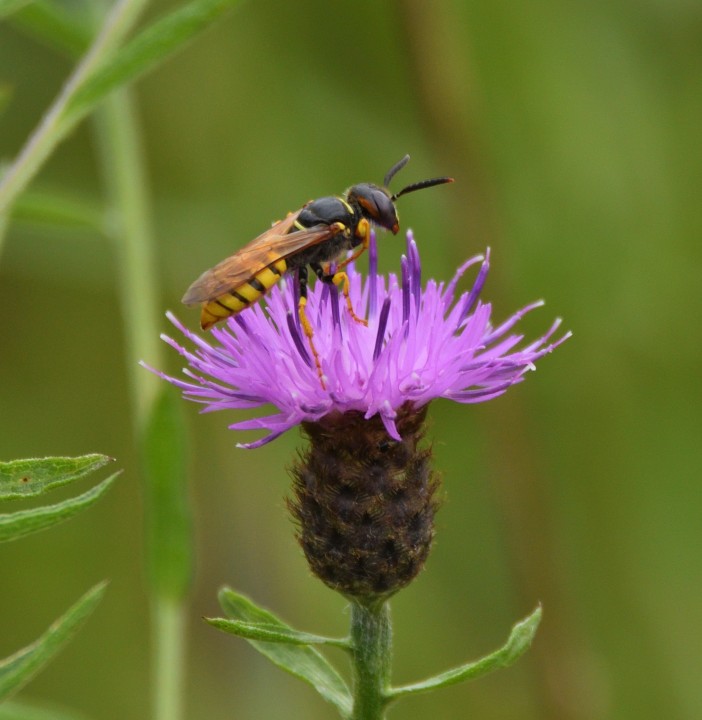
[{"x": 242, "y": 296}]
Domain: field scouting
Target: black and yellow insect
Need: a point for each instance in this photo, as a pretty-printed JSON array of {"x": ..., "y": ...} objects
[{"x": 320, "y": 232}]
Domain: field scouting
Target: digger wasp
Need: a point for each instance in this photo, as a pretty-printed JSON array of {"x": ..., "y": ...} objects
[{"x": 322, "y": 231}]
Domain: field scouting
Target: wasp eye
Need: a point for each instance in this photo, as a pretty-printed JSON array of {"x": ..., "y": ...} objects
[
  {"x": 384, "y": 212},
  {"x": 376, "y": 204}
]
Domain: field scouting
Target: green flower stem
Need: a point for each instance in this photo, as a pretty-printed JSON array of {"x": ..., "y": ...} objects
[
  {"x": 371, "y": 641},
  {"x": 130, "y": 229},
  {"x": 53, "y": 127},
  {"x": 129, "y": 226},
  {"x": 169, "y": 633}
]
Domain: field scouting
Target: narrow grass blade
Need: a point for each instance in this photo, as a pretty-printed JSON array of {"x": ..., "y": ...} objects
[
  {"x": 52, "y": 24},
  {"x": 58, "y": 209},
  {"x": 145, "y": 51}
]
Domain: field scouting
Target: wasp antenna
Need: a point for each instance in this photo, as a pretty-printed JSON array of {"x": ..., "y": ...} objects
[
  {"x": 421, "y": 185},
  {"x": 395, "y": 169}
]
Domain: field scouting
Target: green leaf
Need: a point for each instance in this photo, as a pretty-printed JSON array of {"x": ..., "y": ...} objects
[
  {"x": 300, "y": 660},
  {"x": 53, "y": 25},
  {"x": 15, "y": 710},
  {"x": 517, "y": 644},
  {"x": 273, "y": 633},
  {"x": 25, "y": 522},
  {"x": 169, "y": 541},
  {"x": 58, "y": 208},
  {"x": 29, "y": 478},
  {"x": 16, "y": 670},
  {"x": 145, "y": 51}
]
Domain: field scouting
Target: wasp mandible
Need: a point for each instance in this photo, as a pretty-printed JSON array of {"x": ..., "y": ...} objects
[{"x": 319, "y": 233}]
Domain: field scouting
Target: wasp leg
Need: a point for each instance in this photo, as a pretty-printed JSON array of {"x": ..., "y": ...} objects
[
  {"x": 363, "y": 233},
  {"x": 340, "y": 279},
  {"x": 306, "y": 325}
]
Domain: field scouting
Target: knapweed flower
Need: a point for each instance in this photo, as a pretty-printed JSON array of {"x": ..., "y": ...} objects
[
  {"x": 364, "y": 491},
  {"x": 421, "y": 343}
]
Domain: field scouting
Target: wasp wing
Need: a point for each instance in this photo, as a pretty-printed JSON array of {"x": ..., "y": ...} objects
[{"x": 274, "y": 244}]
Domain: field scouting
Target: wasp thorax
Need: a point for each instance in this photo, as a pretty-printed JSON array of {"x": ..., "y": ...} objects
[{"x": 365, "y": 503}]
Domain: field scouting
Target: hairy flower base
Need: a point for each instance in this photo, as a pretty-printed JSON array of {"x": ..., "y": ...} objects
[
  {"x": 365, "y": 502},
  {"x": 420, "y": 343}
]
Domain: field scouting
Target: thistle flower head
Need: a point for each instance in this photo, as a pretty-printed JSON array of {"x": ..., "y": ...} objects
[
  {"x": 421, "y": 343},
  {"x": 364, "y": 492}
]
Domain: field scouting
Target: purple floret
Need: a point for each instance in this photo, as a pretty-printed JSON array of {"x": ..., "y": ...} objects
[{"x": 421, "y": 343}]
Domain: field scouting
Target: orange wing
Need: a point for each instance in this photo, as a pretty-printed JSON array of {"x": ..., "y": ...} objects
[{"x": 275, "y": 243}]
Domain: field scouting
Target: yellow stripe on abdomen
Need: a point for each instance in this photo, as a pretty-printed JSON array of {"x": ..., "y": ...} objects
[
  {"x": 268, "y": 278},
  {"x": 243, "y": 296},
  {"x": 249, "y": 293}
]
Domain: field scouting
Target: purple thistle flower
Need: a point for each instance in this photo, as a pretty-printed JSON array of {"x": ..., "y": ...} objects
[{"x": 421, "y": 343}]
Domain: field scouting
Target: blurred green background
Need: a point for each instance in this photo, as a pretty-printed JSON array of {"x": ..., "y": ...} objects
[{"x": 573, "y": 132}]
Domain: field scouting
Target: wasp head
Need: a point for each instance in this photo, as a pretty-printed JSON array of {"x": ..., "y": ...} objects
[{"x": 376, "y": 205}]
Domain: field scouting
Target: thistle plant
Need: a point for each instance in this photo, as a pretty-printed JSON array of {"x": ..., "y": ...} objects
[{"x": 364, "y": 488}]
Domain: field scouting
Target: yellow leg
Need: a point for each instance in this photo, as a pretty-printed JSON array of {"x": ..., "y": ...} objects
[
  {"x": 342, "y": 279},
  {"x": 363, "y": 232},
  {"x": 309, "y": 333}
]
